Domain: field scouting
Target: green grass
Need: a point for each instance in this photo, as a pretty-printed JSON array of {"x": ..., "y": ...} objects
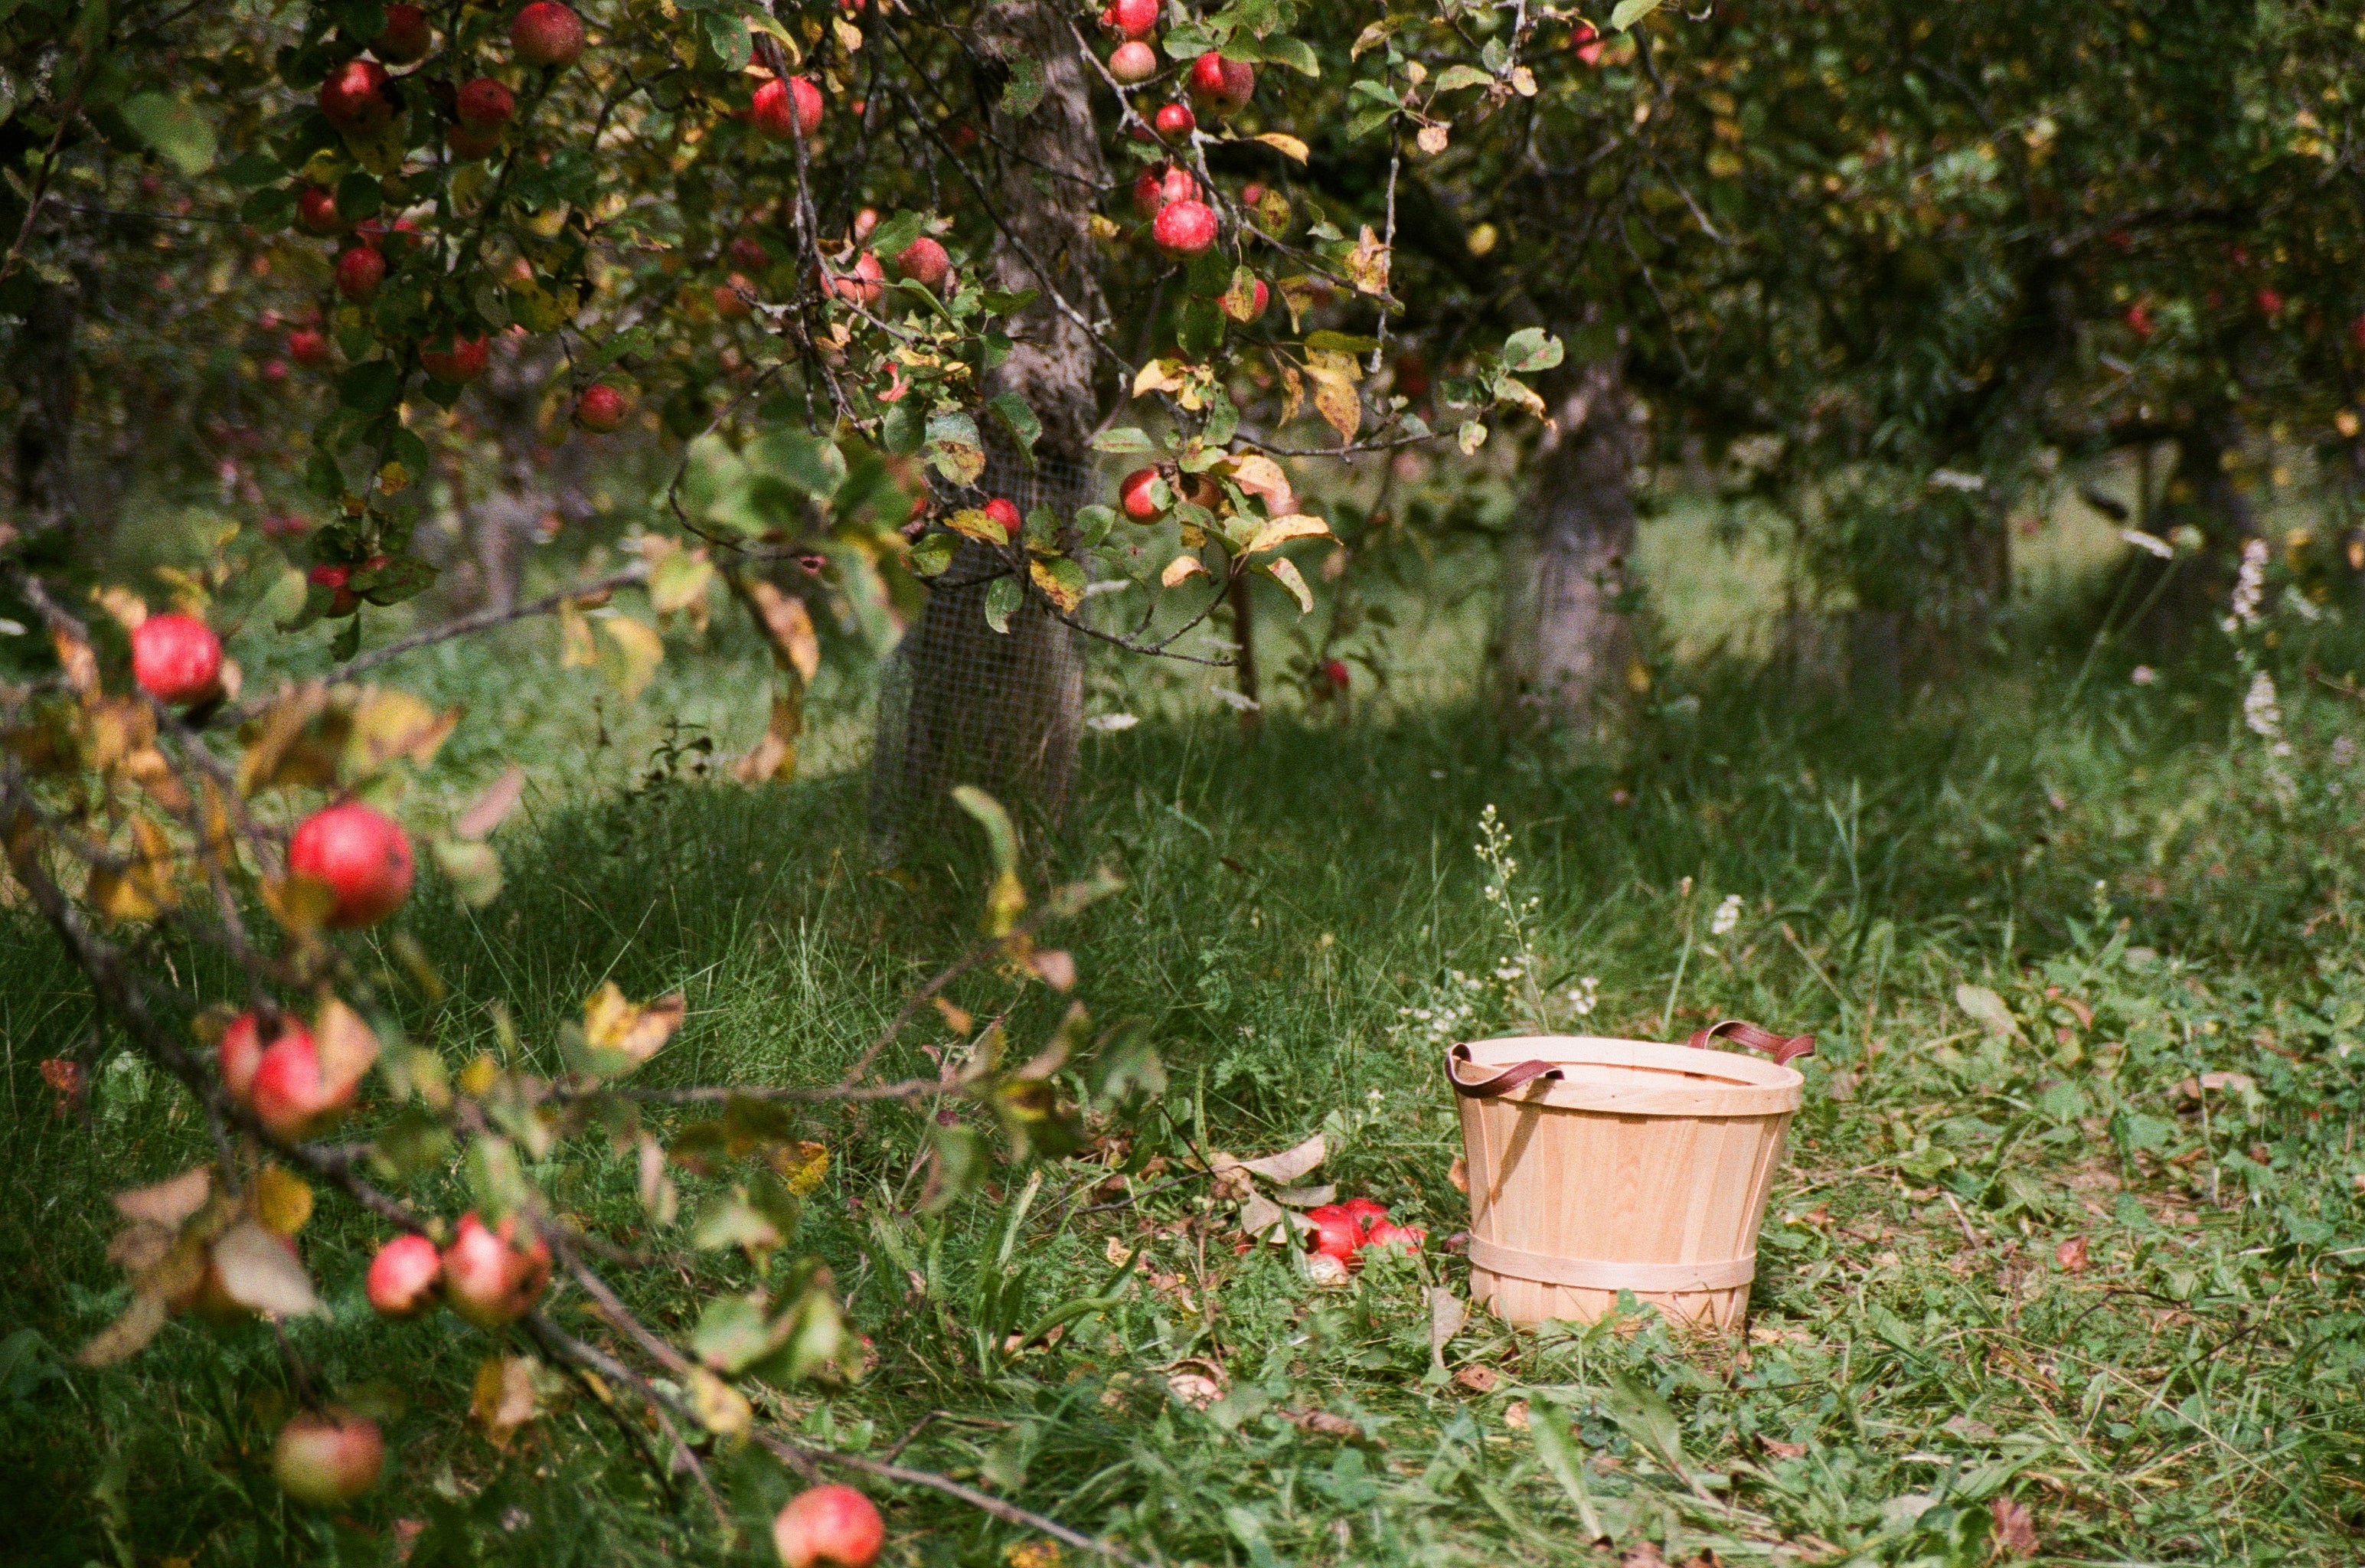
[{"x": 2152, "y": 896}]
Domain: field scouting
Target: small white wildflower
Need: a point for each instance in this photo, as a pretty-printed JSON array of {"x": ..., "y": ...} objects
[
  {"x": 2344, "y": 751},
  {"x": 2143, "y": 675},
  {"x": 1584, "y": 996},
  {"x": 2249, "y": 586},
  {"x": 2150, "y": 541},
  {"x": 2301, "y": 605},
  {"x": 2264, "y": 715},
  {"x": 1510, "y": 972},
  {"x": 1727, "y": 916}
]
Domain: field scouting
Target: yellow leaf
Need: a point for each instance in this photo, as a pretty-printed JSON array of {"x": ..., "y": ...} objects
[
  {"x": 1259, "y": 476},
  {"x": 1158, "y": 375},
  {"x": 972, "y": 523},
  {"x": 127, "y": 608},
  {"x": 1340, "y": 406},
  {"x": 775, "y": 755},
  {"x": 1434, "y": 138},
  {"x": 126, "y": 1336},
  {"x": 577, "y": 651},
  {"x": 1282, "y": 529},
  {"x": 1288, "y": 146},
  {"x": 1367, "y": 263},
  {"x": 281, "y": 749},
  {"x": 1182, "y": 568},
  {"x": 1060, "y": 593},
  {"x": 848, "y": 35},
  {"x": 680, "y": 581},
  {"x": 786, "y": 624},
  {"x": 635, "y": 1033},
  {"x": 169, "y": 1201},
  {"x": 389, "y": 723},
  {"x": 638, "y": 649},
  {"x": 1284, "y": 573},
  {"x": 298, "y": 903},
  {"x": 1292, "y": 386},
  {"x": 721, "y": 1409},
  {"x": 282, "y": 1201},
  {"x": 347, "y": 1047},
  {"x": 803, "y": 1165},
  {"x": 503, "y": 1398}
]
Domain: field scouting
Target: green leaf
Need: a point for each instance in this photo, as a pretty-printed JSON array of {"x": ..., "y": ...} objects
[
  {"x": 1121, "y": 440},
  {"x": 178, "y": 133},
  {"x": 1294, "y": 53},
  {"x": 1001, "y": 837},
  {"x": 933, "y": 555},
  {"x": 1093, "y": 523},
  {"x": 956, "y": 448},
  {"x": 1341, "y": 343},
  {"x": 1530, "y": 348},
  {"x": 727, "y": 39},
  {"x": 269, "y": 209},
  {"x": 812, "y": 464},
  {"x": 371, "y": 388},
  {"x": 732, "y": 1221},
  {"x": 1003, "y": 597},
  {"x": 250, "y": 170},
  {"x": 1025, "y": 90},
  {"x": 731, "y": 1334},
  {"x": 1013, "y": 411},
  {"x": 1002, "y": 302},
  {"x": 1455, "y": 77},
  {"x": 895, "y": 237},
  {"x": 1561, "y": 1455},
  {"x": 358, "y": 197},
  {"x": 1629, "y": 12}
]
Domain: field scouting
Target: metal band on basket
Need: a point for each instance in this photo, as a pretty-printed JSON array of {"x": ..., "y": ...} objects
[{"x": 1594, "y": 1274}]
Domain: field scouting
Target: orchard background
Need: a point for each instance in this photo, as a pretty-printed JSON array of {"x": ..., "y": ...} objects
[{"x": 739, "y": 742}]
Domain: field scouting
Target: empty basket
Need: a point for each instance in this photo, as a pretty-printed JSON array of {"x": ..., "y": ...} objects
[{"x": 1597, "y": 1166}]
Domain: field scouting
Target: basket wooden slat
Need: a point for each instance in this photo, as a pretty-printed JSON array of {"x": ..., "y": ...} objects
[{"x": 1637, "y": 1166}]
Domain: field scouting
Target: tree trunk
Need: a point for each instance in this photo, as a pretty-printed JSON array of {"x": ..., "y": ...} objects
[
  {"x": 966, "y": 703},
  {"x": 1567, "y": 651}
]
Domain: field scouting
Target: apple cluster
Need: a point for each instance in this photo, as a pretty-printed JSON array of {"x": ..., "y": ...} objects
[{"x": 1342, "y": 1231}]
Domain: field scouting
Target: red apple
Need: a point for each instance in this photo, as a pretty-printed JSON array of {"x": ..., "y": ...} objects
[
  {"x": 2357, "y": 332},
  {"x": 748, "y": 251},
  {"x": 380, "y": 235},
  {"x": 833, "y": 1526},
  {"x": 923, "y": 261},
  {"x": 2139, "y": 319},
  {"x": 1134, "y": 19},
  {"x": 1335, "y": 1231},
  {"x": 1175, "y": 122},
  {"x": 359, "y": 272},
  {"x": 1251, "y": 194},
  {"x": 292, "y": 1097},
  {"x": 329, "y": 576},
  {"x": 362, "y": 855},
  {"x": 241, "y": 1051},
  {"x": 468, "y": 144},
  {"x": 1134, "y": 495},
  {"x": 2269, "y": 302},
  {"x": 1363, "y": 1211},
  {"x": 316, "y": 211},
  {"x": 483, "y": 105},
  {"x": 1004, "y": 511},
  {"x": 1133, "y": 60},
  {"x": 1184, "y": 227},
  {"x": 403, "y": 1276},
  {"x": 487, "y": 1278},
  {"x": 1408, "y": 1237},
  {"x": 286, "y": 526},
  {"x": 459, "y": 364},
  {"x": 1221, "y": 87},
  {"x": 328, "y": 1458},
  {"x": 546, "y": 33},
  {"x": 732, "y": 299},
  {"x": 176, "y": 658},
  {"x": 275, "y": 371},
  {"x": 961, "y": 138},
  {"x": 861, "y": 284},
  {"x": 783, "y": 109},
  {"x": 405, "y": 38},
  {"x": 1160, "y": 186},
  {"x": 1260, "y": 296},
  {"x": 1412, "y": 376},
  {"x": 355, "y": 98},
  {"x": 601, "y": 408}
]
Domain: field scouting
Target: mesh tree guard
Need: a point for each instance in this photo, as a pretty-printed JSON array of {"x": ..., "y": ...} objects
[{"x": 962, "y": 703}]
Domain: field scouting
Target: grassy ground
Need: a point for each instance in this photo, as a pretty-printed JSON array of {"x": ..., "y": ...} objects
[{"x": 2011, "y": 1265}]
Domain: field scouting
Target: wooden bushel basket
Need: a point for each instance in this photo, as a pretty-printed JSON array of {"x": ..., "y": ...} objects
[{"x": 1597, "y": 1166}]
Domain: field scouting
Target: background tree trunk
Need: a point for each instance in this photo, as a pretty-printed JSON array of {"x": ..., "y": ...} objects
[
  {"x": 1566, "y": 651},
  {"x": 2200, "y": 493},
  {"x": 41, "y": 367},
  {"x": 967, "y": 704}
]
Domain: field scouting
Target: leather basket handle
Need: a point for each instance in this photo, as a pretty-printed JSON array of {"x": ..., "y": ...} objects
[
  {"x": 1502, "y": 1083},
  {"x": 1783, "y": 1049}
]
